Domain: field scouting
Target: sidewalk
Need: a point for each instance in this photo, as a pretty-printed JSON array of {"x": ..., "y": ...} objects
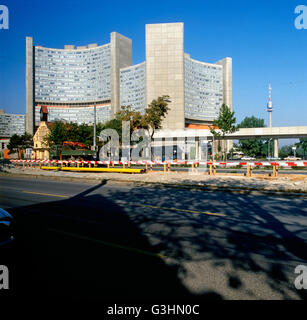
[{"x": 291, "y": 184}]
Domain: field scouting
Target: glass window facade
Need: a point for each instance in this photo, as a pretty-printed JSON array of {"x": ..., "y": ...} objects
[
  {"x": 75, "y": 114},
  {"x": 12, "y": 124},
  {"x": 79, "y": 75},
  {"x": 133, "y": 87},
  {"x": 203, "y": 89}
]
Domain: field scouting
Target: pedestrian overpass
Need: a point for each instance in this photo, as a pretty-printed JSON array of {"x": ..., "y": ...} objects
[{"x": 179, "y": 136}]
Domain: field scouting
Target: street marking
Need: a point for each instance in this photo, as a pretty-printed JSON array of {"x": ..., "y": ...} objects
[
  {"x": 180, "y": 210},
  {"x": 46, "y": 194},
  {"x": 110, "y": 244}
]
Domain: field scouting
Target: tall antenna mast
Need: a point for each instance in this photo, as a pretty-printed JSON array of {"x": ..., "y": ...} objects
[{"x": 270, "y": 106}]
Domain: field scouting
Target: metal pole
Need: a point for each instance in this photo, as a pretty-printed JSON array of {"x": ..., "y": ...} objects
[
  {"x": 94, "y": 142},
  {"x": 213, "y": 151}
]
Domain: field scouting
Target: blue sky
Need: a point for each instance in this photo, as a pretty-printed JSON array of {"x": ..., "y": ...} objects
[{"x": 259, "y": 35}]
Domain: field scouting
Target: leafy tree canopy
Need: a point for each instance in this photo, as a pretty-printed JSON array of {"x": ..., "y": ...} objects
[
  {"x": 20, "y": 142},
  {"x": 155, "y": 113},
  {"x": 253, "y": 147},
  {"x": 225, "y": 122},
  {"x": 252, "y": 122},
  {"x": 302, "y": 145}
]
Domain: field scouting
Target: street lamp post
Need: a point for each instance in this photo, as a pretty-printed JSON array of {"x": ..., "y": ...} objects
[
  {"x": 213, "y": 152},
  {"x": 94, "y": 139},
  {"x": 294, "y": 151}
]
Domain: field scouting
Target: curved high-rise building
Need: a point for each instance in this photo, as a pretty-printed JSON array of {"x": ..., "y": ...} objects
[{"x": 72, "y": 80}]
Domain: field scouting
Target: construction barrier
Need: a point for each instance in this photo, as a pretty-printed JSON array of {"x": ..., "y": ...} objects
[
  {"x": 92, "y": 166},
  {"x": 208, "y": 167},
  {"x": 118, "y": 170},
  {"x": 166, "y": 163}
]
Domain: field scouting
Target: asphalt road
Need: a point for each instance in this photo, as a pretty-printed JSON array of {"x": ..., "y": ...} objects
[{"x": 129, "y": 243}]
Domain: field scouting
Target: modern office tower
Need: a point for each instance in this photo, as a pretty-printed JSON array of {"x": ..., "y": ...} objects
[
  {"x": 70, "y": 81},
  {"x": 196, "y": 89},
  {"x": 133, "y": 87},
  {"x": 11, "y": 124}
]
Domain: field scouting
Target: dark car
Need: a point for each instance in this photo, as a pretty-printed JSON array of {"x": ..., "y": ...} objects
[{"x": 6, "y": 233}]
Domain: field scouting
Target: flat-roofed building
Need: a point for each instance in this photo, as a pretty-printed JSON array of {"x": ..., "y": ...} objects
[
  {"x": 72, "y": 80},
  {"x": 11, "y": 124}
]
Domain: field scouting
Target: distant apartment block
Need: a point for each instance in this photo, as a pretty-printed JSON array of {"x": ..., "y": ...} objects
[
  {"x": 70, "y": 81},
  {"x": 11, "y": 124}
]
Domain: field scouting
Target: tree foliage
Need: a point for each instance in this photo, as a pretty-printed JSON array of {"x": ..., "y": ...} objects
[
  {"x": 253, "y": 147},
  {"x": 285, "y": 151},
  {"x": 18, "y": 143},
  {"x": 302, "y": 147},
  {"x": 61, "y": 131},
  {"x": 224, "y": 124},
  {"x": 151, "y": 120},
  {"x": 155, "y": 113},
  {"x": 252, "y": 122}
]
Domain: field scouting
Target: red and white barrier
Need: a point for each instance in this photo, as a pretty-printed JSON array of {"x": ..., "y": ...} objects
[{"x": 173, "y": 162}]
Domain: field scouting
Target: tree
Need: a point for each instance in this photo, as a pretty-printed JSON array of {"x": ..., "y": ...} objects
[
  {"x": 302, "y": 147},
  {"x": 114, "y": 124},
  {"x": 19, "y": 143},
  {"x": 252, "y": 147},
  {"x": 26, "y": 141},
  {"x": 61, "y": 131},
  {"x": 154, "y": 115},
  {"x": 285, "y": 151},
  {"x": 224, "y": 124},
  {"x": 58, "y": 133},
  {"x": 14, "y": 144}
]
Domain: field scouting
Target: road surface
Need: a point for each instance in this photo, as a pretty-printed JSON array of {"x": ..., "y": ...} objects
[{"x": 129, "y": 243}]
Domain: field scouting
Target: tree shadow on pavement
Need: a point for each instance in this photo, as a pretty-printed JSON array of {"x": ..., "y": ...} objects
[
  {"x": 250, "y": 253},
  {"x": 87, "y": 246}
]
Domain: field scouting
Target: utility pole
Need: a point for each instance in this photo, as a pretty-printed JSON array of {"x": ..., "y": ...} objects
[
  {"x": 270, "y": 110},
  {"x": 94, "y": 142}
]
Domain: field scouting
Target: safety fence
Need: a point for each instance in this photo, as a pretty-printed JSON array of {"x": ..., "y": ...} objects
[{"x": 210, "y": 167}]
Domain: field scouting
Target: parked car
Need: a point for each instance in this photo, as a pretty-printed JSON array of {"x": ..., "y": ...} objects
[
  {"x": 292, "y": 158},
  {"x": 246, "y": 158},
  {"x": 273, "y": 158},
  {"x": 6, "y": 233}
]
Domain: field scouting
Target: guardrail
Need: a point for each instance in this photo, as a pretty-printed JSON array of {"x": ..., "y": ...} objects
[
  {"x": 250, "y": 165},
  {"x": 117, "y": 170}
]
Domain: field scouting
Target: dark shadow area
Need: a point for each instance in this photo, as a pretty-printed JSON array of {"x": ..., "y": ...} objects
[
  {"x": 261, "y": 236},
  {"x": 105, "y": 243},
  {"x": 87, "y": 247}
]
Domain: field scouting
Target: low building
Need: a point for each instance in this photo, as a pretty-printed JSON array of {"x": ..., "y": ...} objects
[{"x": 41, "y": 150}]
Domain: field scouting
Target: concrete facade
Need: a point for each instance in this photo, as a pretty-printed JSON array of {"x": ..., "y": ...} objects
[
  {"x": 11, "y": 124},
  {"x": 227, "y": 80},
  {"x": 79, "y": 77},
  {"x": 70, "y": 81},
  {"x": 165, "y": 69},
  {"x": 29, "y": 85},
  {"x": 121, "y": 57},
  {"x": 197, "y": 135}
]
